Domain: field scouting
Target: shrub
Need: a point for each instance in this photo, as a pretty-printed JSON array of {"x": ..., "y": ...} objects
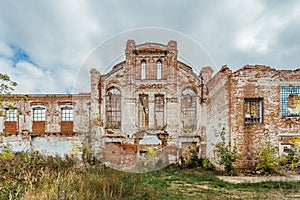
[
  {"x": 267, "y": 155},
  {"x": 226, "y": 153}
]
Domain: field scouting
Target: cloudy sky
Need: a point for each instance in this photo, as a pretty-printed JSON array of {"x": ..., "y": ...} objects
[{"x": 44, "y": 43}]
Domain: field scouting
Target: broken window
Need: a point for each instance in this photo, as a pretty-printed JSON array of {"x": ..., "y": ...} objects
[
  {"x": 253, "y": 109},
  {"x": 143, "y": 70},
  {"x": 11, "y": 114},
  {"x": 290, "y": 101},
  {"x": 158, "y": 69},
  {"x": 188, "y": 110},
  {"x": 66, "y": 114},
  {"x": 143, "y": 113},
  {"x": 113, "y": 108},
  {"x": 159, "y": 110},
  {"x": 39, "y": 114}
]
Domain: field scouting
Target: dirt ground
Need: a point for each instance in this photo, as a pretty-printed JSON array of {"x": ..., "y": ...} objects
[{"x": 257, "y": 179}]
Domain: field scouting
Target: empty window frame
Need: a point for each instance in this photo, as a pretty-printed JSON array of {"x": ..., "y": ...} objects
[
  {"x": 67, "y": 114},
  {"x": 11, "y": 114},
  {"x": 290, "y": 101},
  {"x": 113, "y": 108},
  {"x": 253, "y": 111},
  {"x": 158, "y": 70},
  {"x": 143, "y": 113},
  {"x": 143, "y": 70},
  {"x": 39, "y": 114},
  {"x": 188, "y": 109},
  {"x": 159, "y": 110}
]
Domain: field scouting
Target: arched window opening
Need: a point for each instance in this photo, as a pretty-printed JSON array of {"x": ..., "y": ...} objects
[
  {"x": 188, "y": 110},
  {"x": 143, "y": 70},
  {"x": 158, "y": 70},
  {"x": 113, "y": 108}
]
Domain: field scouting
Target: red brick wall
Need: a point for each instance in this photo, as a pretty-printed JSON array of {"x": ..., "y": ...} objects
[
  {"x": 259, "y": 82},
  {"x": 66, "y": 128},
  {"x": 11, "y": 127},
  {"x": 38, "y": 127}
]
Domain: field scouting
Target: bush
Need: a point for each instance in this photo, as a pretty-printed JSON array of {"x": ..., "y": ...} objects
[
  {"x": 227, "y": 154},
  {"x": 267, "y": 155}
]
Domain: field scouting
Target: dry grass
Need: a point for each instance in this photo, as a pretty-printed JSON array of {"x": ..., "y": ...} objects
[{"x": 32, "y": 176}]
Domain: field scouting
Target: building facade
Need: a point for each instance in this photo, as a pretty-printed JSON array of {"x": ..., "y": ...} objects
[{"x": 153, "y": 100}]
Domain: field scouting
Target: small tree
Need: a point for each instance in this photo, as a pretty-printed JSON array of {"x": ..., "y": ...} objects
[
  {"x": 226, "y": 152},
  {"x": 6, "y": 86},
  {"x": 267, "y": 160}
]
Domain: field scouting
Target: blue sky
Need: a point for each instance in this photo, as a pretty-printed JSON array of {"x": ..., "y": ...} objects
[{"x": 44, "y": 43}]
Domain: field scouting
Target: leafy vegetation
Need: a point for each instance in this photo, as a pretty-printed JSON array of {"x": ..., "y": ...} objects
[
  {"x": 191, "y": 159},
  {"x": 226, "y": 152},
  {"x": 267, "y": 155}
]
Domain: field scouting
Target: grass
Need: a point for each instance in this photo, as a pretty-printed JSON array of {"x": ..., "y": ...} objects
[{"x": 32, "y": 176}]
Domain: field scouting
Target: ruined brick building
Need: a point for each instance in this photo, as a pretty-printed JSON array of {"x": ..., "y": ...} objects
[{"x": 151, "y": 99}]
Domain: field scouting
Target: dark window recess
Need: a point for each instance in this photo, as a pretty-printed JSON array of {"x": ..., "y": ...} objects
[
  {"x": 113, "y": 108},
  {"x": 253, "y": 109}
]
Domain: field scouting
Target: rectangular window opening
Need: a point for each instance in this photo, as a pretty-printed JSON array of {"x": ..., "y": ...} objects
[
  {"x": 67, "y": 114},
  {"x": 253, "y": 111},
  {"x": 39, "y": 114},
  {"x": 11, "y": 115},
  {"x": 159, "y": 111},
  {"x": 290, "y": 101},
  {"x": 143, "y": 113}
]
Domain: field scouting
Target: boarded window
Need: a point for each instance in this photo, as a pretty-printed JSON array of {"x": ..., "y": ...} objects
[
  {"x": 67, "y": 114},
  {"x": 143, "y": 70},
  {"x": 253, "y": 109},
  {"x": 159, "y": 110},
  {"x": 188, "y": 110},
  {"x": 143, "y": 113},
  {"x": 39, "y": 114},
  {"x": 113, "y": 108},
  {"x": 158, "y": 69},
  {"x": 290, "y": 101},
  {"x": 11, "y": 115}
]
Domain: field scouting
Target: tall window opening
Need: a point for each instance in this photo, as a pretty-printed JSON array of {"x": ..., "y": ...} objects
[
  {"x": 188, "y": 110},
  {"x": 39, "y": 114},
  {"x": 159, "y": 110},
  {"x": 143, "y": 110},
  {"x": 113, "y": 108},
  {"x": 11, "y": 115},
  {"x": 158, "y": 69},
  {"x": 67, "y": 114},
  {"x": 143, "y": 71},
  {"x": 253, "y": 111}
]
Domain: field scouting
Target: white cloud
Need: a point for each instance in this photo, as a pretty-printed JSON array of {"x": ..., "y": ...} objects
[
  {"x": 5, "y": 50},
  {"x": 58, "y": 35},
  {"x": 24, "y": 67}
]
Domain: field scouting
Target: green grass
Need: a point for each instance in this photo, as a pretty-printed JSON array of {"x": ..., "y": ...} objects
[{"x": 31, "y": 176}]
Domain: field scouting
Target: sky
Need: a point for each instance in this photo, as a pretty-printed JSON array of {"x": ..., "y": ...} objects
[{"x": 43, "y": 44}]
